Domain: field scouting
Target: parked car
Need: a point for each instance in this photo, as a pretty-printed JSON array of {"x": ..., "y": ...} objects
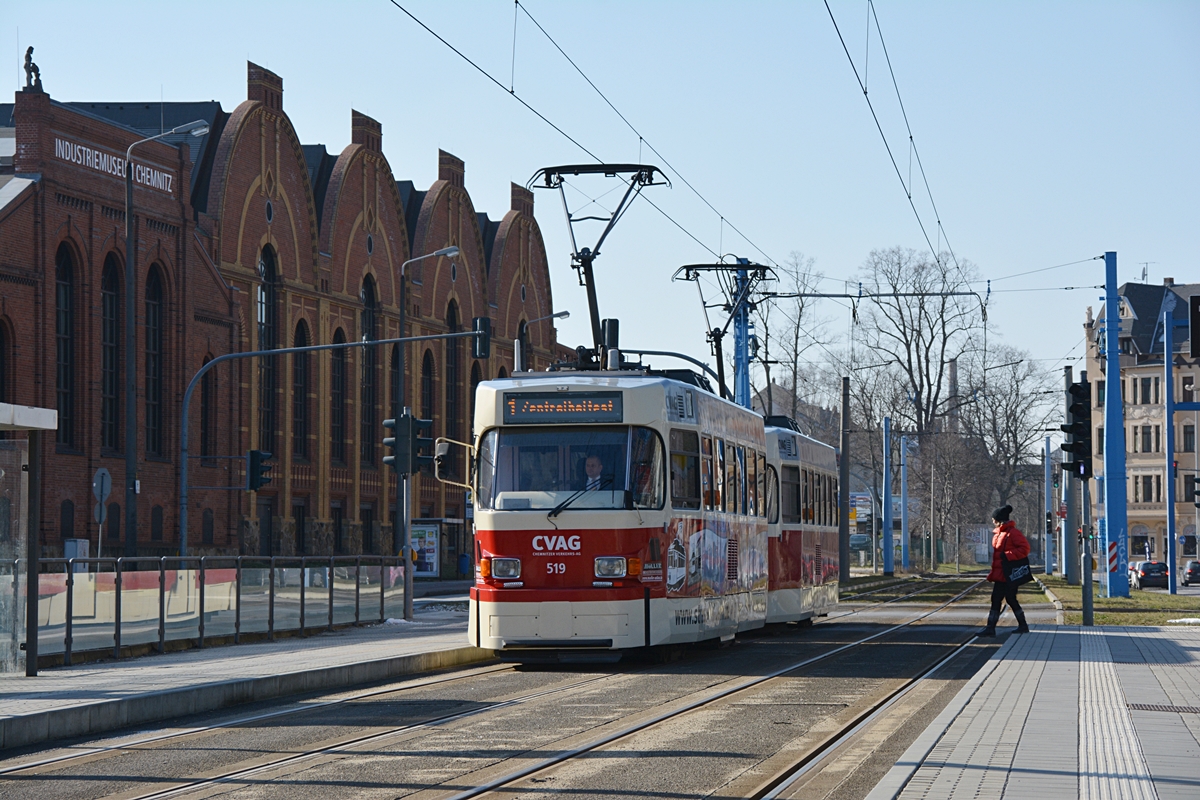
[
  {"x": 1150, "y": 573},
  {"x": 860, "y": 541},
  {"x": 1191, "y": 573}
]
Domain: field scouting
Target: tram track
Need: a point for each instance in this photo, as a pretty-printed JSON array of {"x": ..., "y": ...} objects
[
  {"x": 507, "y": 781},
  {"x": 619, "y": 728},
  {"x": 377, "y": 738}
]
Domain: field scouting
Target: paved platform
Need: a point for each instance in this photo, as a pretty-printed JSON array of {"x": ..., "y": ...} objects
[
  {"x": 1066, "y": 712},
  {"x": 102, "y": 696}
]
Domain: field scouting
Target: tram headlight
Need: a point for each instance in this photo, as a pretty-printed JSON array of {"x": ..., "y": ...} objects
[
  {"x": 610, "y": 567},
  {"x": 506, "y": 568}
]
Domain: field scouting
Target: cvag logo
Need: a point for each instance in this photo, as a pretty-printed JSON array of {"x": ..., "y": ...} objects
[{"x": 556, "y": 543}]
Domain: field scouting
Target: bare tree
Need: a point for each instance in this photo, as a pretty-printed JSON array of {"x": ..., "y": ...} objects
[
  {"x": 914, "y": 320},
  {"x": 787, "y": 331}
]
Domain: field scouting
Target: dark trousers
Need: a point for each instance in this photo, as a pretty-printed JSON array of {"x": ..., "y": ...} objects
[{"x": 1004, "y": 591}]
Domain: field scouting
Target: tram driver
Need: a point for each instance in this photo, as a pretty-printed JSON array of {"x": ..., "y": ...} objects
[{"x": 593, "y": 469}]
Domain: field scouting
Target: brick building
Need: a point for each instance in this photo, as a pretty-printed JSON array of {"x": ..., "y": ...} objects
[{"x": 247, "y": 239}]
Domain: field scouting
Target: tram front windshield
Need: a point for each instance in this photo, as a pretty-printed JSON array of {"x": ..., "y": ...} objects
[{"x": 530, "y": 469}]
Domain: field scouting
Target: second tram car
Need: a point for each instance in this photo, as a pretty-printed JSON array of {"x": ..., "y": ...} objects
[{"x": 623, "y": 509}]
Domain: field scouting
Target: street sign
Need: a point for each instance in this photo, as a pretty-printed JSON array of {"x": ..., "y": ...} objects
[
  {"x": 101, "y": 485},
  {"x": 100, "y": 513}
]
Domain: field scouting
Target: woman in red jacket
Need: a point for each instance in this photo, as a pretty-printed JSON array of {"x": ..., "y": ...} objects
[{"x": 1007, "y": 542}]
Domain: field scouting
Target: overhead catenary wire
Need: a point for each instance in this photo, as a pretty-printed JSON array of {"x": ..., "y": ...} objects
[
  {"x": 512, "y": 93},
  {"x": 891, "y": 155},
  {"x": 642, "y": 139}
]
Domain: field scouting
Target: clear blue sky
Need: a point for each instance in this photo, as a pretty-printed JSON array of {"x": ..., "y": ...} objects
[{"x": 1050, "y": 132}]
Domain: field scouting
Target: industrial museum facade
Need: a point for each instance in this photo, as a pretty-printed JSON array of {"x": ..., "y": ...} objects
[{"x": 247, "y": 239}]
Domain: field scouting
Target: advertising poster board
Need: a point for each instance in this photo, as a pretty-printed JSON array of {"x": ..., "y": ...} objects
[{"x": 425, "y": 540}]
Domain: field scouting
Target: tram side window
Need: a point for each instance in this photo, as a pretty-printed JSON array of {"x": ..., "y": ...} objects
[
  {"x": 740, "y": 455},
  {"x": 646, "y": 469},
  {"x": 762, "y": 485},
  {"x": 718, "y": 475},
  {"x": 791, "y": 494},
  {"x": 708, "y": 489},
  {"x": 685, "y": 469},
  {"x": 833, "y": 501},
  {"x": 806, "y": 509},
  {"x": 731, "y": 487},
  {"x": 819, "y": 495},
  {"x": 772, "y": 486},
  {"x": 752, "y": 483}
]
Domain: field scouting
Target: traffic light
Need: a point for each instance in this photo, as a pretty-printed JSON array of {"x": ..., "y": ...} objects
[
  {"x": 1196, "y": 493},
  {"x": 1077, "y": 449},
  {"x": 398, "y": 458},
  {"x": 1055, "y": 471},
  {"x": 257, "y": 467},
  {"x": 481, "y": 346},
  {"x": 420, "y": 445}
]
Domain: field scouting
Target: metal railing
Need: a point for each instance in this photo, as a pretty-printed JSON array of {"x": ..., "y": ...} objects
[{"x": 90, "y": 604}]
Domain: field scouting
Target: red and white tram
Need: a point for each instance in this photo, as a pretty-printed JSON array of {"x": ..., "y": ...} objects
[
  {"x": 625, "y": 509},
  {"x": 802, "y": 530}
]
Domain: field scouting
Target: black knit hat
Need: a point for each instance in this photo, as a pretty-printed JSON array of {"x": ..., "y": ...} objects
[{"x": 1001, "y": 514}]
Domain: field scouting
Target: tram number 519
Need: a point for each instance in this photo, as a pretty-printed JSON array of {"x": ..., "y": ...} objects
[{"x": 556, "y": 568}]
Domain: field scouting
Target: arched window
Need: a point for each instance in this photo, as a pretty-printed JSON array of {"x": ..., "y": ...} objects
[
  {"x": 454, "y": 378},
  {"x": 66, "y": 520},
  {"x": 476, "y": 377},
  {"x": 337, "y": 401},
  {"x": 427, "y": 386},
  {"x": 395, "y": 381},
  {"x": 156, "y": 524},
  {"x": 112, "y": 525},
  {"x": 370, "y": 378},
  {"x": 208, "y": 412},
  {"x": 64, "y": 343},
  {"x": 523, "y": 338},
  {"x": 110, "y": 354},
  {"x": 502, "y": 374},
  {"x": 300, "y": 388},
  {"x": 268, "y": 333},
  {"x": 5, "y": 364},
  {"x": 208, "y": 526},
  {"x": 154, "y": 363}
]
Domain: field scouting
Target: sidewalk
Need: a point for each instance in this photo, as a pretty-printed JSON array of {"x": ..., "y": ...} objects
[
  {"x": 1065, "y": 712},
  {"x": 102, "y": 696}
]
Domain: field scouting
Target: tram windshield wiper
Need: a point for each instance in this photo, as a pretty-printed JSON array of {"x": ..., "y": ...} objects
[{"x": 558, "y": 509}]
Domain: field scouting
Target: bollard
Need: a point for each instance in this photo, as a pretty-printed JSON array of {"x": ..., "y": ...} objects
[
  {"x": 237, "y": 612},
  {"x": 271, "y": 600},
  {"x": 117, "y": 610},
  {"x": 330, "y": 593},
  {"x": 162, "y": 604},
  {"x": 303, "y": 580},
  {"x": 70, "y": 611},
  {"x": 202, "y": 601},
  {"x": 357, "y": 585}
]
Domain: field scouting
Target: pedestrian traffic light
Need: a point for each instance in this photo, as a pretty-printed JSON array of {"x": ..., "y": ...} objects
[
  {"x": 1077, "y": 449},
  {"x": 400, "y": 443},
  {"x": 420, "y": 445},
  {"x": 481, "y": 346},
  {"x": 257, "y": 467}
]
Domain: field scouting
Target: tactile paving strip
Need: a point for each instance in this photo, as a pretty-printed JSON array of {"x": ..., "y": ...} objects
[{"x": 1111, "y": 763}]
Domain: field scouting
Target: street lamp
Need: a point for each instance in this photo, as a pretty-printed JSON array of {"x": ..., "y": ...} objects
[
  {"x": 519, "y": 343},
  {"x": 197, "y": 128},
  {"x": 401, "y": 534},
  {"x": 557, "y": 315}
]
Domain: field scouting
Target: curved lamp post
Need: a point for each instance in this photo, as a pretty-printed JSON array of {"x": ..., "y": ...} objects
[
  {"x": 401, "y": 533},
  {"x": 519, "y": 345},
  {"x": 197, "y": 128}
]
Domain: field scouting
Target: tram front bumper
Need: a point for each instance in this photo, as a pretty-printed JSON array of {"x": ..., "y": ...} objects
[{"x": 528, "y": 624}]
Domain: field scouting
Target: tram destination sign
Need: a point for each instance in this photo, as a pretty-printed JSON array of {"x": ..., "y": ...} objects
[{"x": 548, "y": 408}]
